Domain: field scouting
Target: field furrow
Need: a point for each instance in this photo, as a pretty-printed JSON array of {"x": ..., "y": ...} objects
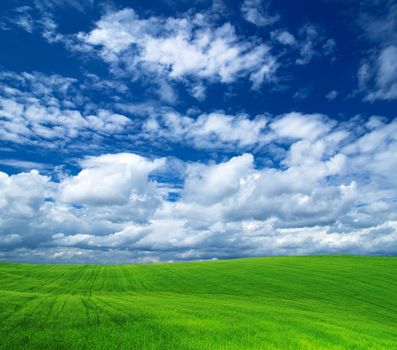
[{"x": 325, "y": 302}]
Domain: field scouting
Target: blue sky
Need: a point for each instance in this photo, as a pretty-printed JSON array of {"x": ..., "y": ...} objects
[{"x": 175, "y": 130}]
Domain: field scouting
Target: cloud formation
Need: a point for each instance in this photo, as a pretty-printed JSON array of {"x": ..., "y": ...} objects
[
  {"x": 38, "y": 109},
  {"x": 110, "y": 180},
  {"x": 333, "y": 192},
  {"x": 179, "y": 48},
  {"x": 52, "y": 111},
  {"x": 207, "y": 131}
]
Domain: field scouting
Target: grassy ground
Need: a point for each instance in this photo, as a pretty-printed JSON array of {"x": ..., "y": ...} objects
[{"x": 328, "y": 302}]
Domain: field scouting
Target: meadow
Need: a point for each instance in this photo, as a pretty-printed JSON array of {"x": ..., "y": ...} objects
[{"x": 318, "y": 302}]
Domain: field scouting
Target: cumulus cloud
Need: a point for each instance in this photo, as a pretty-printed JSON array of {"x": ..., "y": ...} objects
[
  {"x": 333, "y": 192},
  {"x": 23, "y": 194},
  {"x": 110, "y": 180},
  {"x": 112, "y": 192},
  {"x": 207, "y": 185},
  {"x": 236, "y": 190}
]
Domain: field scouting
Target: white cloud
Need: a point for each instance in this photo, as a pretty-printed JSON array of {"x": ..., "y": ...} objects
[
  {"x": 22, "y": 194},
  {"x": 166, "y": 93},
  {"x": 377, "y": 21},
  {"x": 313, "y": 44},
  {"x": 25, "y": 22},
  {"x": 256, "y": 12},
  {"x": 384, "y": 75},
  {"x": 332, "y": 95},
  {"x": 198, "y": 91},
  {"x": 284, "y": 37},
  {"x": 47, "y": 110},
  {"x": 50, "y": 111},
  {"x": 297, "y": 125},
  {"x": 331, "y": 192},
  {"x": 29, "y": 121},
  {"x": 221, "y": 131},
  {"x": 293, "y": 183},
  {"x": 374, "y": 151},
  {"x": 302, "y": 94},
  {"x": 20, "y": 17},
  {"x": 80, "y": 5},
  {"x": 111, "y": 179},
  {"x": 214, "y": 130},
  {"x": 24, "y": 164},
  {"x": 180, "y": 48},
  {"x": 207, "y": 185}
]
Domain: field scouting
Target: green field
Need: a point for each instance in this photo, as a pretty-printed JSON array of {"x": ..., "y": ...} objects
[{"x": 324, "y": 302}]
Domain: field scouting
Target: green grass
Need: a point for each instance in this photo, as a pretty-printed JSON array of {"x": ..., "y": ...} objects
[{"x": 325, "y": 302}]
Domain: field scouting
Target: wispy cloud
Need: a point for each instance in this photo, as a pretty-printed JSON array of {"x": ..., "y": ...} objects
[
  {"x": 25, "y": 164},
  {"x": 377, "y": 73},
  {"x": 257, "y": 12},
  {"x": 332, "y": 95},
  {"x": 313, "y": 44}
]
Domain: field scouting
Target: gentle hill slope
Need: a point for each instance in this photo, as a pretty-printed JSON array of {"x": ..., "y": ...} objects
[{"x": 325, "y": 302}]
